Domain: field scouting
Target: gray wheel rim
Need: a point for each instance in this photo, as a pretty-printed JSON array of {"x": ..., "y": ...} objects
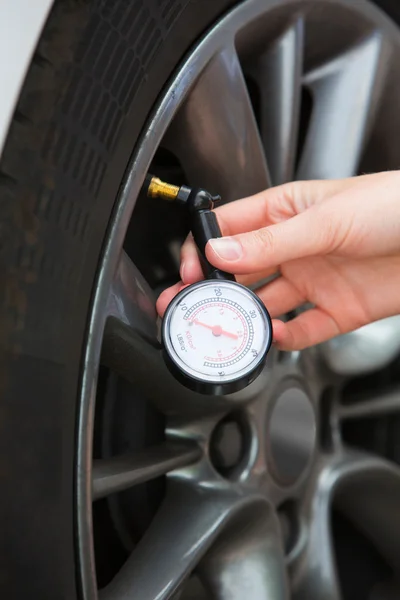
[{"x": 227, "y": 528}]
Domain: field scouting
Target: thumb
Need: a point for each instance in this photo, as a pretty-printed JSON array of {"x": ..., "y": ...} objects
[{"x": 309, "y": 233}]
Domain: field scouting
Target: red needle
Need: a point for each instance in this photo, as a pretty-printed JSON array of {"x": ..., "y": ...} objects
[{"x": 217, "y": 329}]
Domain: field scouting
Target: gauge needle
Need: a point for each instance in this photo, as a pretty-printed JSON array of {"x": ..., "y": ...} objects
[{"x": 217, "y": 330}]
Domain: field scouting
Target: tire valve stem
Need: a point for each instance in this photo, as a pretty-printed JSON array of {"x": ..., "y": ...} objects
[
  {"x": 160, "y": 189},
  {"x": 199, "y": 204},
  {"x": 153, "y": 187}
]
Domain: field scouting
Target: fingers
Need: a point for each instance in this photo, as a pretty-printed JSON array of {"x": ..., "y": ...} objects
[
  {"x": 309, "y": 328},
  {"x": 191, "y": 272},
  {"x": 297, "y": 223},
  {"x": 310, "y": 233},
  {"x": 166, "y": 296},
  {"x": 257, "y": 278},
  {"x": 277, "y": 204},
  {"x": 266, "y": 230},
  {"x": 266, "y": 208},
  {"x": 280, "y": 297}
]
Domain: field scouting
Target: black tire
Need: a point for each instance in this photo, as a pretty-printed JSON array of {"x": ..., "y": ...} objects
[{"x": 97, "y": 71}]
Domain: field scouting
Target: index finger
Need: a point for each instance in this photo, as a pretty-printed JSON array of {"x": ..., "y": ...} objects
[
  {"x": 277, "y": 204},
  {"x": 191, "y": 270},
  {"x": 265, "y": 208},
  {"x": 239, "y": 216}
]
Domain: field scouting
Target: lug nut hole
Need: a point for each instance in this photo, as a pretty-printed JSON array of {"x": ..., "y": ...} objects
[{"x": 229, "y": 445}]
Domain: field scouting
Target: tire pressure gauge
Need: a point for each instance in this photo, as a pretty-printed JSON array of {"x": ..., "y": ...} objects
[{"x": 216, "y": 333}]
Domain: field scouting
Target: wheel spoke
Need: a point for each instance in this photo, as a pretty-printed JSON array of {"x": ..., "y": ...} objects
[
  {"x": 131, "y": 347},
  {"x": 248, "y": 561},
  {"x": 362, "y": 486},
  {"x": 215, "y": 134},
  {"x": 385, "y": 404},
  {"x": 346, "y": 92},
  {"x": 313, "y": 570},
  {"x": 130, "y": 344},
  {"x": 368, "y": 486},
  {"x": 132, "y": 300},
  {"x": 182, "y": 531},
  {"x": 142, "y": 363},
  {"x": 365, "y": 350},
  {"x": 122, "y": 472},
  {"x": 278, "y": 75}
]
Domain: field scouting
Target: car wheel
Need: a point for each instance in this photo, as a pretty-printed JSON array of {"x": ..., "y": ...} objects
[{"x": 117, "y": 482}]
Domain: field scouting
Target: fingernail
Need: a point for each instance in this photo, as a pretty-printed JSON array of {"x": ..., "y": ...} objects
[
  {"x": 182, "y": 271},
  {"x": 227, "y": 248}
]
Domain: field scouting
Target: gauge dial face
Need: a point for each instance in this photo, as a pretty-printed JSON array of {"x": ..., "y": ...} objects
[{"x": 217, "y": 331}]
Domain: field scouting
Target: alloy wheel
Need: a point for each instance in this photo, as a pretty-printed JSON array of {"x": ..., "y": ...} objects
[{"x": 276, "y": 90}]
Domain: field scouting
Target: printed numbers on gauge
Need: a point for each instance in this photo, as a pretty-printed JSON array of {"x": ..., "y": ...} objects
[{"x": 216, "y": 332}]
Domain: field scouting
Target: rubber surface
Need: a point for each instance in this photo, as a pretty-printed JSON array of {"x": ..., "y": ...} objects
[{"x": 95, "y": 75}]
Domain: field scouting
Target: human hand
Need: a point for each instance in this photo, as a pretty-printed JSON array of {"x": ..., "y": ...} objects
[{"x": 335, "y": 244}]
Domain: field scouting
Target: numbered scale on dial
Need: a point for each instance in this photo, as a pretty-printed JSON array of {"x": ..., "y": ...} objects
[{"x": 216, "y": 336}]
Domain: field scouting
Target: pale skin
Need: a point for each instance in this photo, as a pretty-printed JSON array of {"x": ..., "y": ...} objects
[{"x": 334, "y": 244}]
